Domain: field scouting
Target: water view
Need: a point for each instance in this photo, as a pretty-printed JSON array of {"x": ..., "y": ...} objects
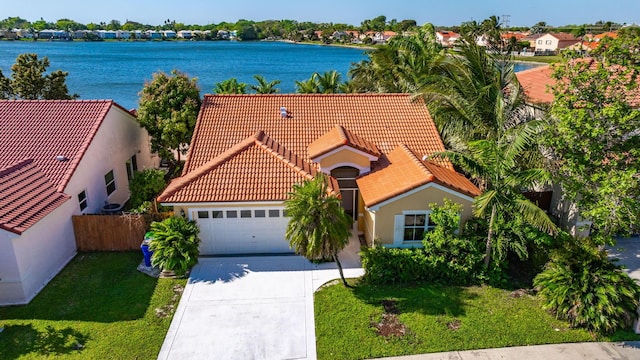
[{"x": 118, "y": 70}]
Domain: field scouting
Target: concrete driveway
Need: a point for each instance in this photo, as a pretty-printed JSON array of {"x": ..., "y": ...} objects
[
  {"x": 628, "y": 252},
  {"x": 251, "y": 307}
]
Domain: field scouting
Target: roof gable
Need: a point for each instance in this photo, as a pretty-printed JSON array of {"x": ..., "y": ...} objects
[
  {"x": 256, "y": 169},
  {"x": 338, "y": 137},
  {"x": 54, "y": 133},
  {"x": 26, "y": 196},
  {"x": 404, "y": 172}
]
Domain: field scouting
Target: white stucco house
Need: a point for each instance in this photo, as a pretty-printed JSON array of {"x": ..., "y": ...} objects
[
  {"x": 59, "y": 158},
  {"x": 248, "y": 150},
  {"x": 552, "y": 42}
]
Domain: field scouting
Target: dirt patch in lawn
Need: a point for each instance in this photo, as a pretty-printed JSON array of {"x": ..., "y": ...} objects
[
  {"x": 168, "y": 309},
  {"x": 390, "y": 325}
]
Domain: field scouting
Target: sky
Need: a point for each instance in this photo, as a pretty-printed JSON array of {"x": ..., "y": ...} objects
[{"x": 437, "y": 12}]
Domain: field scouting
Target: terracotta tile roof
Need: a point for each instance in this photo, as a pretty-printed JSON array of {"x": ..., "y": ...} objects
[
  {"x": 26, "y": 196},
  {"x": 536, "y": 84},
  {"x": 564, "y": 37},
  {"x": 337, "y": 137},
  {"x": 256, "y": 169},
  {"x": 44, "y": 129},
  {"x": 610, "y": 34},
  {"x": 405, "y": 171},
  {"x": 385, "y": 120}
]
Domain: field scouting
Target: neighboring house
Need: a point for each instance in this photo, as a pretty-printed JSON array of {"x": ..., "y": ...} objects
[
  {"x": 537, "y": 83},
  {"x": 532, "y": 39},
  {"x": 169, "y": 34},
  {"x": 248, "y": 150},
  {"x": 185, "y": 34},
  {"x": 552, "y": 42},
  {"x": 152, "y": 34},
  {"x": 59, "y": 158},
  {"x": 123, "y": 34},
  {"x": 447, "y": 38}
]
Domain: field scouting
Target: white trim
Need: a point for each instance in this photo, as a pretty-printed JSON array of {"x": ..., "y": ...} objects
[
  {"x": 362, "y": 170},
  {"x": 343, "y": 147},
  {"x": 377, "y": 207}
]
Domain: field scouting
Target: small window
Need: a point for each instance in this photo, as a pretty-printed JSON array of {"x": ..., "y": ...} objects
[
  {"x": 540, "y": 42},
  {"x": 217, "y": 214},
  {"x": 110, "y": 182},
  {"x": 245, "y": 213},
  {"x": 82, "y": 200},
  {"x": 259, "y": 213},
  {"x": 232, "y": 214},
  {"x": 132, "y": 167},
  {"x": 203, "y": 214},
  {"x": 548, "y": 42},
  {"x": 274, "y": 213}
]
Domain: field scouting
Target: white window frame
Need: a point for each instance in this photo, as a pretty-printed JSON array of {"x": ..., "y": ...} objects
[{"x": 399, "y": 227}]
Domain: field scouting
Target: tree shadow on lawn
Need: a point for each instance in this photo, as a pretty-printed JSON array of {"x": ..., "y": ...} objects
[
  {"x": 99, "y": 287},
  {"x": 19, "y": 340},
  {"x": 424, "y": 299}
]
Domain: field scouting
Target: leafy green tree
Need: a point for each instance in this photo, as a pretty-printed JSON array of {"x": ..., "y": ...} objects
[
  {"x": 580, "y": 284},
  {"x": 29, "y": 81},
  {"x": 593, "y": 136},
  {"x": 452, "y": 258},
  {"x": 318, "y": 226},
  {"x": 497, "y": 165},
  {"x": 145, "y": 185},
  {"x": 168, "y": 108},
  {"x": 230, "y": 86},
  {"x": 265, "y": 87},
  {"x": 175, "y": 244}
]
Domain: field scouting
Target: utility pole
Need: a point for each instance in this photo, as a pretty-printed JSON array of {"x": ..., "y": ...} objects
[{"x": 505, "y": 21}]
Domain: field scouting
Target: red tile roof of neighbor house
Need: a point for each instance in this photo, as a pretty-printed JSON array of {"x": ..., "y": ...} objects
[
  {"x": 53, "y": 135},
  {"x": 26, "y": 196},
  {"x": 537, "y": 84},
  {"x": 43, "y": 130},
  {"x": 244, "y": 149},
  {"x": 337, "y": 137},
  {"x": 564, "y": 37},
  {"x": 256, "y": 169},
  {"x": 404, "y": 172}
]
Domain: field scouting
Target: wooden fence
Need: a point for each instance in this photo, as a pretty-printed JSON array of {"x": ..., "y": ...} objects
[{"x": 112, "y": 232}]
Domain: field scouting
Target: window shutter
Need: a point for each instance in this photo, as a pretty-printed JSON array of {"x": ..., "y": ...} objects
[{"x": 398, "y": 230}]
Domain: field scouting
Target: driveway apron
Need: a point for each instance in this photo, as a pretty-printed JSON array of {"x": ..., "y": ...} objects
[{"x": 245, "y": 308}]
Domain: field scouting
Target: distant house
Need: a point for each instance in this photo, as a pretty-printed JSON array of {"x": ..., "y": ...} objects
[
  {"x": 532, "y": 39},
  {"x": 59, "y": 158},
  {"x": 373, "y": 147},
  {"x": 107, "y": 34},
  {"x": 447, "y": 38},
  {"x": 185, "y": 34},
  {"x": 123, "y": 34},
  {"x": 223, "y": 34},
  {"x": 552, "y": 42},
  {"x": 53, "y": 34},
  {"x": 152, "y": 34},
  {"x": 169, "y": 34}
]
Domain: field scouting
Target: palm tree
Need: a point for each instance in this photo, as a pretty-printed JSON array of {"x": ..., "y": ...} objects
[
  {"x": 497, "y": 165},
  {"x": 309, "y": 86},
  {"x": 319, "y": 228},
  {"x": 230, "y": 86},
  {"x": 264, "y": 87},
  {"x": 329, "y": 82}
]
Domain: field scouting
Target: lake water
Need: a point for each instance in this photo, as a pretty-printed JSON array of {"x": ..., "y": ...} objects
[{"x": 118, "y": 70}]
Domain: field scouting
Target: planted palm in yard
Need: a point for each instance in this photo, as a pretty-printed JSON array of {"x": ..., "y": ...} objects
[
  {"x": 175, "y": 244},
  {"x": 319, "y": 228}
]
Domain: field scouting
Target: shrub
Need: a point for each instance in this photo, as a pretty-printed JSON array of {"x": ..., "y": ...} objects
[
  {"x": 175, "y": 244},
  {"x": 145, "y": 185},
  {"x": 394, "y": 266},
  {"x": 452, "y": 258},
  {"x": 580, "y": 284}
]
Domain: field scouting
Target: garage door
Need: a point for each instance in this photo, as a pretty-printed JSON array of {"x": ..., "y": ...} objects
[{"x": 242, "y": 231}]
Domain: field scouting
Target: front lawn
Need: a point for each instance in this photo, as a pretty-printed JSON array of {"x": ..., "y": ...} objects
[
  {"x": 98, "y": 307},
  {"x": 436, "y": 318}
]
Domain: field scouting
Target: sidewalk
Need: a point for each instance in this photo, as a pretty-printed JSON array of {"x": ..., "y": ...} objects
[{"x": 629, "y": 350}]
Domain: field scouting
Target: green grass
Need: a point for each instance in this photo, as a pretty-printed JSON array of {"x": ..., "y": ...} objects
[
  {"x": 488, "y": 318},
  {"x": 98, "y": 307},
  {"x": 540, "y": 59}
]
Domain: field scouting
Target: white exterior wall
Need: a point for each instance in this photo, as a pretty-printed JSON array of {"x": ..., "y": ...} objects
[
  {"x": 547, "y": 43},
  {"x": 10, "y": 283},
  {"x": 117, "y": 140}
]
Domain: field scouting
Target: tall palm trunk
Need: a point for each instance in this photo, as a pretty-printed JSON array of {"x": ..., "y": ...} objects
[
  {"x": 487, "y": 252},
  {"x": 344, "y": 281}
]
